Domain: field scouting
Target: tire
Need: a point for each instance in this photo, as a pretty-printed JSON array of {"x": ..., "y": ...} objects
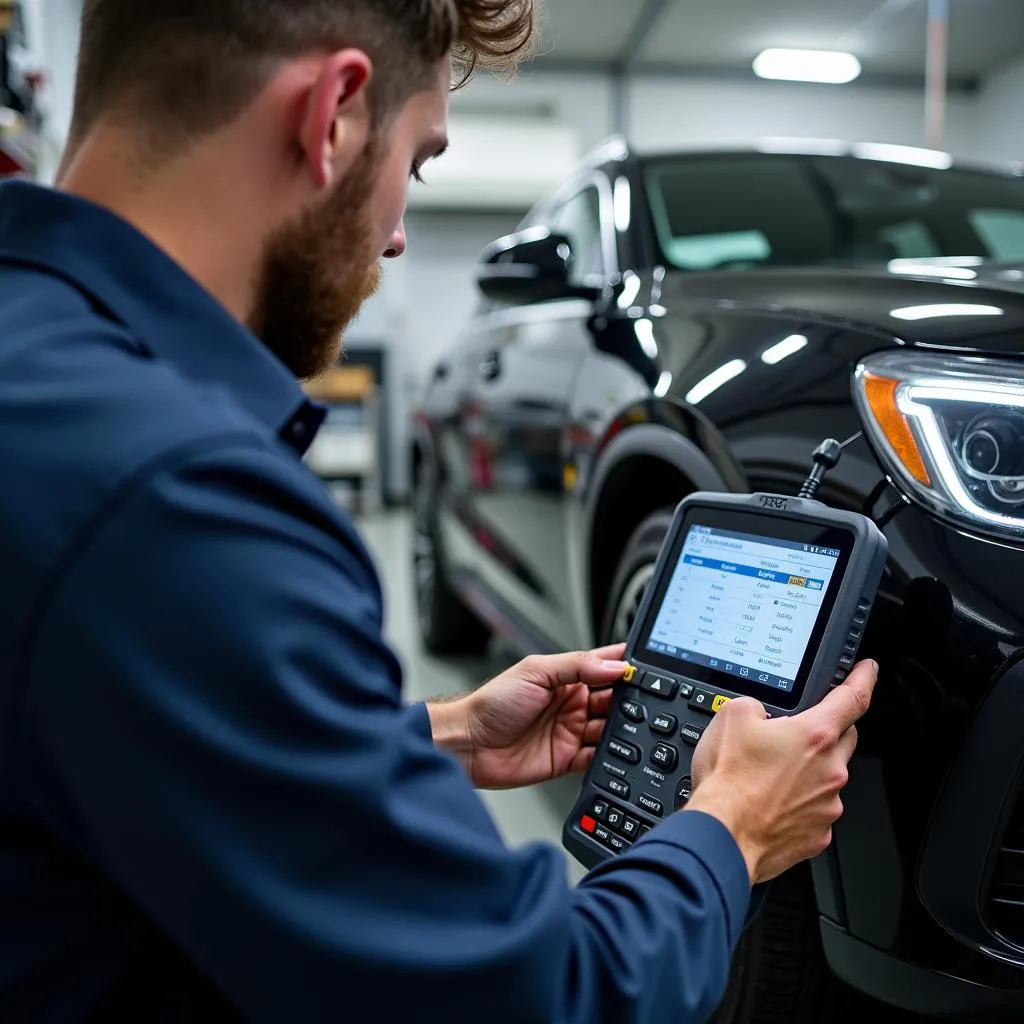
[
  {"x": 447, "y": 625},
  {"x": 779, "y": 974},
  {"x": 634, "y": 572}
]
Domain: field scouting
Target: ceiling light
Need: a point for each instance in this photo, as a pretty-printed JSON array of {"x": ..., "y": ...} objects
[{"x": 830, "y": 67}]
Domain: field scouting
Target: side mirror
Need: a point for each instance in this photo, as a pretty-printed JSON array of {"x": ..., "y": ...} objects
[{"x": 532, "y": 266}]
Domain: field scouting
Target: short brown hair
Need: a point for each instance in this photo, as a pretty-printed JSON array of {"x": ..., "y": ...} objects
[{"x": 188, "y": 67}]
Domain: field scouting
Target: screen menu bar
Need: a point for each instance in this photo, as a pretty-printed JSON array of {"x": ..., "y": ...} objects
[{"x": 727, "y": 667}]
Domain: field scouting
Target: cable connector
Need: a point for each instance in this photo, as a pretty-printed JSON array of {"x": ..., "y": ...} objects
[{"x": 826, "y": 457}]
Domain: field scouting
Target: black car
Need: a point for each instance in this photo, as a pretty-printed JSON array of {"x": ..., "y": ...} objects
[{"x": 701, "y": 321}]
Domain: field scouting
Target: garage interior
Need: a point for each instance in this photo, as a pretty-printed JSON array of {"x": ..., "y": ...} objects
[{"x": 938, "y": 81}]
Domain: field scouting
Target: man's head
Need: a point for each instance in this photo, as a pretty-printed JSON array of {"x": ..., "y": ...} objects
[{"x": 292, "y": 126}]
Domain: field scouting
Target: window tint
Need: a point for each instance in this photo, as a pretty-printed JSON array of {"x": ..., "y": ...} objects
[
  {"x": 702, "y": 252},
  {"x": 1001, "y": 230},
  {"x": 580, "y": 220},
  {"x": 911, "y": 240},
  {"x": 750, "y": 210}
]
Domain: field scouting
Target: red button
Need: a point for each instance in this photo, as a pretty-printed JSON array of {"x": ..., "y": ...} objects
[{"x": 587, "y": 823}]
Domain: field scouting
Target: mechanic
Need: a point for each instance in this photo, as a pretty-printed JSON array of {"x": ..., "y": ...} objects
[{"x": 213, "y": 801}]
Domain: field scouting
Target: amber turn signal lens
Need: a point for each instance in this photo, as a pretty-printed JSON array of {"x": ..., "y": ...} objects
[{"x": 881, "y": 396}]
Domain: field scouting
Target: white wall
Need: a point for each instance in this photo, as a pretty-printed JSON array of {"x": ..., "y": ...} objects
[
  {"x": 584, "y": 101},
  {"x": 667, "y": 112},
  {"x": 999, "y": 125}
]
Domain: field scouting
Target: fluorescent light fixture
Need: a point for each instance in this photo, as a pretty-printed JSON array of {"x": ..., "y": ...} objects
[
  {"x": 912, "y": 155},
  {"x": 829, "y": 67},
  {"x": 939, "y": 311},
  {"x": 664, "y": 383},
  {"x": 623, "y": 205},
  {"x": 784, "y": 349},
  {"x": 714, "y": 380}
]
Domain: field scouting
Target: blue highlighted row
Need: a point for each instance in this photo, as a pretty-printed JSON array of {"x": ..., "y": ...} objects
[{"x": 768, "y": 575}]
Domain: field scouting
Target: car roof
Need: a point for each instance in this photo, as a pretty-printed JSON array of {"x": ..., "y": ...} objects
[{"x": 616, "y": 149}]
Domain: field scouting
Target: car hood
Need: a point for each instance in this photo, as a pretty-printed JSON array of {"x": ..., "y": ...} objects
[{"x": 977, "y": 307}]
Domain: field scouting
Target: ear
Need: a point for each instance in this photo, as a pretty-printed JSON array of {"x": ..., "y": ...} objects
[{"x": 336, "y": 116}]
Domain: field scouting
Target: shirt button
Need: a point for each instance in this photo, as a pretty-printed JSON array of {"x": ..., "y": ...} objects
[{"x": 298, "y": 430}]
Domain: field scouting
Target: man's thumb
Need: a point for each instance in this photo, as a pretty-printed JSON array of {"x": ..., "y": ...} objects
[{"x": 742, "y": 707}]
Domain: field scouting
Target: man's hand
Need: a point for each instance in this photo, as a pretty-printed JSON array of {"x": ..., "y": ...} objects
[
  {"x": 539, "y": 720},
  {"x": 775, "y": 784}
]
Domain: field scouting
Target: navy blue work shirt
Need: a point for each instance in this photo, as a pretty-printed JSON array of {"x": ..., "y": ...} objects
[{"x": 213, "y": 801}]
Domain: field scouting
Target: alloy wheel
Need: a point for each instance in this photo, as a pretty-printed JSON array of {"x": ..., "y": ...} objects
[{"x": 630, "y": 599}]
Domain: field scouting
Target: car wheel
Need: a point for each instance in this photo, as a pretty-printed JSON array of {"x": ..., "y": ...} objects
[
  {"x": 779, "y": 974},
  {"x": 634, "y": 572},
  {"x": 447, "y": 626}
]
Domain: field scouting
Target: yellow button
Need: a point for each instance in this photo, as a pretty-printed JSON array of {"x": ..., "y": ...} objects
[
  {"x": 719, "y": 702},
  {"x": 629, "y": 673}
]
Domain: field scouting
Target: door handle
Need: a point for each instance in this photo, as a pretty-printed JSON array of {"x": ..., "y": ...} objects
[{"x": 490, "y": 366}]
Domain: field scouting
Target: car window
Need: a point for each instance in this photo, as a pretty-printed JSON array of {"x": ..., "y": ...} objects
[
  {"x": 1001, "y": 230},
  {"x": 748, "y": 210},
  {"x": 579, "y": 218},
  {"x": 703, "y": 252},
  {"x": 911, "y": 240}
]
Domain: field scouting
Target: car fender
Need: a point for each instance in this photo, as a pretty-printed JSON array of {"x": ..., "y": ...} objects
[{"x": 663, "y": 429}]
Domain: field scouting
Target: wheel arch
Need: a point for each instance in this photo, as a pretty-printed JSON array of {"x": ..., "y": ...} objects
[{"x": 642, "y": 469}]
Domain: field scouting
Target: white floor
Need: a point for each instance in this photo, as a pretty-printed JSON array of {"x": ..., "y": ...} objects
[{"x": 522, "y": 816}]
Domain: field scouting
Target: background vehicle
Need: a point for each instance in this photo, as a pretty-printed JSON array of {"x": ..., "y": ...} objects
[{"x": 677, "y": 322}]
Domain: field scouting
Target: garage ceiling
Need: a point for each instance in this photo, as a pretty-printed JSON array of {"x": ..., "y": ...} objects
[{"x": 722, "y": 37}]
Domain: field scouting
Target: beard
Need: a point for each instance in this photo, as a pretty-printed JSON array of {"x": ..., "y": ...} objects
[{"x": 317, "y": 273}]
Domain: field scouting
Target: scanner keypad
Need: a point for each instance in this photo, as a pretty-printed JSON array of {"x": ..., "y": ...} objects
[{"x": 660, "y": 720}]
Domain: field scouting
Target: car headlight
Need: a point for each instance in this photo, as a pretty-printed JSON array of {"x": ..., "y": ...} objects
[{"x": 950, "y": 431}]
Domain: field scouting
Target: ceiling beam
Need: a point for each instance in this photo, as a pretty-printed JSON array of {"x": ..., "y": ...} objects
[
  {"x": 632, "y": 49},
  {"x": 963, "y": 85},
  {"x": 639, "y": 36}
]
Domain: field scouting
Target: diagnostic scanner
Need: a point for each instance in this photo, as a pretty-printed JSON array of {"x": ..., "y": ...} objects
[{"x": 759, "y": 595}]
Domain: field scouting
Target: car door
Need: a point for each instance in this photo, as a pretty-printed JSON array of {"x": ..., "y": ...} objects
[{"x": 527, "y": 360}]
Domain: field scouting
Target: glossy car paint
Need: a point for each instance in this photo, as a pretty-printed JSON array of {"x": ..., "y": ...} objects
[{"x": 543, "y": 418}]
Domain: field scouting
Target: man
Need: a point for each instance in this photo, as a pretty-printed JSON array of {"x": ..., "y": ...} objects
[{"x": 213, "y": 802}]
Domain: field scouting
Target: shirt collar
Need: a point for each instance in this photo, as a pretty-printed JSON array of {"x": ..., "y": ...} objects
[{"x": 141, "y": 287}]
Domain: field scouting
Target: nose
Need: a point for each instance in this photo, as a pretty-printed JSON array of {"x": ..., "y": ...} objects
[{"x": 397, "y": 245}]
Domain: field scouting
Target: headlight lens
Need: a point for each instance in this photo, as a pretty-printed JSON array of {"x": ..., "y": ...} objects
[{"x": 950, "y": 430}]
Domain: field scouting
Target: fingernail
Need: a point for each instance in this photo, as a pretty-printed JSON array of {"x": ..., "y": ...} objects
[
  {"x": 874, "y": 665},
  {"x": 618, "y": 666}
]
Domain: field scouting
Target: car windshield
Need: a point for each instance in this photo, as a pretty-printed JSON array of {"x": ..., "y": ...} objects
[{"x": 746, "y": 211}]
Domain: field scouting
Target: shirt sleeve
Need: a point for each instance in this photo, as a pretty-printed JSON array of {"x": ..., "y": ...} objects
[{"x": 212, "y": 720}]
